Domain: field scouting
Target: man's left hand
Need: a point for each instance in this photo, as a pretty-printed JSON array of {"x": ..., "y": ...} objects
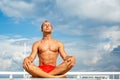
[{"x": 70, "y": 61}]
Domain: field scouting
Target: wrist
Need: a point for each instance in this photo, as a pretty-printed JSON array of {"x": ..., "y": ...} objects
[
  {"x": 65, "y": 58},
  {"x": 29, "y": 59}
]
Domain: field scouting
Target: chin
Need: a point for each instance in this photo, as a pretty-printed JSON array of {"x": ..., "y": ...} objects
[{"x": 48, "y": 31}]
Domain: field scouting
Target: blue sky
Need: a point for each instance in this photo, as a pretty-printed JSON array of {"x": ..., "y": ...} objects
[{"x": 89, "y": 29}]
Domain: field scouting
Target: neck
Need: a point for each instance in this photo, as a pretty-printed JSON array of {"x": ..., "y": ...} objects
[{"x": 47, "y": 36}]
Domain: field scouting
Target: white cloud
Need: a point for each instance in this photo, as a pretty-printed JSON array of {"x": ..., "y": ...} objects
[
  {"x": 89, "y": 51},
  {"x": 12, "y": 52},
  {"x": 90, "y": 43},
  {"x": 110, "y": 33},
  {"x": 5, "y": 63},
  {"x": 101, "y": 37},
  {"x": 17, "y": 8},
  {"x": 70, "y": 29},
  {"x": 22, "y": 9},
  {"x": 103, "y": 10},
  {"x": 107, "y": 47}
]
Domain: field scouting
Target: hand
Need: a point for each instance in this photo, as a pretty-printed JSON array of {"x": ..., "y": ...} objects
[
  {"x": 26, "y": 63},
  {"x": 70, "y": 61}
]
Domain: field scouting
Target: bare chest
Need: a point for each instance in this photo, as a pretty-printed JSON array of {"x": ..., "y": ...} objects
[{"x": 48, "y": 46}]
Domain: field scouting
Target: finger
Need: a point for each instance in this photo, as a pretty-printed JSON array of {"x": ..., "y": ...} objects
[
  {"x": 68, "y": 63},
  {"x": 69, "y": 59},
  {"x": 24, "y": 64},
  {"x": 27, "y": 66}
]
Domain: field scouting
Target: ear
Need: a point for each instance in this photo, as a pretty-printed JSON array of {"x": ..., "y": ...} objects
[{"x": 41, "y": 30}]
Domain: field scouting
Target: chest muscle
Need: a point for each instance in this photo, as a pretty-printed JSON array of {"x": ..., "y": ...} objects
[{"x": 48, "y": 47}]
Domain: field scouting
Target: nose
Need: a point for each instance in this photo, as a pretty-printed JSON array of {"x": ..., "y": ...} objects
[{"x": 47, "y": 25}]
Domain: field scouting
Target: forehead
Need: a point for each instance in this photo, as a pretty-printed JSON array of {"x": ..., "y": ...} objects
[{"x": 46, "y": 23}]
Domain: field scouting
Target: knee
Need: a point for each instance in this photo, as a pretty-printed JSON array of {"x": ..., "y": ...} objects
[
  {"x": 31, "y": 67},
  {"x": 28, "y": 68},
  {"x": 71, "y": 61},
  {"x": 73, "y": 57},
  {"x": 74, "y": 60},
  {"x": 24, "y": 67}
]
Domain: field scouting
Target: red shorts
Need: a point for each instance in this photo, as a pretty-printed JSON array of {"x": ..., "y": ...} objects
[{"x": 47, "y": 68}]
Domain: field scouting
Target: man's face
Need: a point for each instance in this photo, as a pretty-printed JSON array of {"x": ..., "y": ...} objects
[{"x": 47, "y": 27}]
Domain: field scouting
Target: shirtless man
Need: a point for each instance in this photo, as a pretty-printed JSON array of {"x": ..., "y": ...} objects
[{"x": 48, "y": 50}]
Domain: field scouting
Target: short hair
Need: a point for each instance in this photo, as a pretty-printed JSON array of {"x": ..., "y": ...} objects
[{"x": 43, "y": 23}]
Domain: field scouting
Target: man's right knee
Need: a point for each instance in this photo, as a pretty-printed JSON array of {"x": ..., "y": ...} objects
[{"x": 63, "y": 66}]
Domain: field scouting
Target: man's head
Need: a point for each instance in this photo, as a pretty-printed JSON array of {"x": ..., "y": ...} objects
[{"x": 46, "y": 27}]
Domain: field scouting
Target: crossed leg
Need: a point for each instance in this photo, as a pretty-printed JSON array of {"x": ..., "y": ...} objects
[
  {"x": 61, "y": 69},
  {"x": 38, "y": 73},
  {"x": 58, "y": 72}
]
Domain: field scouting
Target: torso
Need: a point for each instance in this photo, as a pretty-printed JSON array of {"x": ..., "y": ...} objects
[{"x": 48, "y": 52}]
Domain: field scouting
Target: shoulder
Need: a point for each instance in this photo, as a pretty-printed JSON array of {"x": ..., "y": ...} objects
[
  {"x": 35, "y": 44},
  {"x": 59, "y": 43}
]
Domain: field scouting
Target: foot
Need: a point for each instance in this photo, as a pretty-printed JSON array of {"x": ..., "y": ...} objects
[{"x": 60, "y": 76}]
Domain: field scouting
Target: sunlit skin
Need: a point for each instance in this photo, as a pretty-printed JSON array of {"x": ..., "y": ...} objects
[{"x": 48, "y": 50}]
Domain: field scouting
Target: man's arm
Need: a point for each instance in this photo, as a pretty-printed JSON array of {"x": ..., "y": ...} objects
[
  {"x": 34, "y": 52},
  {"x": 69, "y": 59},
  {"x": 28, "y": 60},
  {"x": 62, "y": 52}
]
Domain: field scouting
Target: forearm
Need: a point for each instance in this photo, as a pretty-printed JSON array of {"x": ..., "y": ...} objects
[{"x": 30, "y": 58}]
